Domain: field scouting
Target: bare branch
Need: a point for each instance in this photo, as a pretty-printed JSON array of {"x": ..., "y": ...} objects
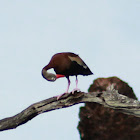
[{"x": 110, "y": 98}]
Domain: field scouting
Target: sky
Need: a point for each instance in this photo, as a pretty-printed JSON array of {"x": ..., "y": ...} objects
[{"x": 105, "y": 34}]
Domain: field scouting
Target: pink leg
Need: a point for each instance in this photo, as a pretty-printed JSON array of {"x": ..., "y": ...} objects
[
  {"x": 76, "y": 82},
  {"x": 76, "y": 89},
  {"x": 68, "y": 85},
  {"x": 58, "y": 97}
]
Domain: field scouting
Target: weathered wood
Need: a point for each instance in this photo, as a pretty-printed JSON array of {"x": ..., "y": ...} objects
[{"x": 110, "y": 98}]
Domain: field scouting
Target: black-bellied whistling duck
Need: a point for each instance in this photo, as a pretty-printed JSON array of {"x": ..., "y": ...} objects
[{"x": 66, "y": 64}]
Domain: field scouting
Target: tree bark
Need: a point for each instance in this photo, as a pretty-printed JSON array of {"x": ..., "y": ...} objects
[{"x": 109, "y": 98}]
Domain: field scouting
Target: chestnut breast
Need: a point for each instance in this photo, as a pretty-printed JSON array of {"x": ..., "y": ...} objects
[{"x": 61, "y": 63}]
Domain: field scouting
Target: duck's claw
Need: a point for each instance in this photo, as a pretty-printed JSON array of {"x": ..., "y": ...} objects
[{"x": 75, "y": 90}]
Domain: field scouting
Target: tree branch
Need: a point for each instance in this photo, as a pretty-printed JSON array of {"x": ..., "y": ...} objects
[{"x": 110, "y": 98}]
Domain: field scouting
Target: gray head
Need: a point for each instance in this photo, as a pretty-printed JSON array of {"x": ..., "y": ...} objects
[{"x": 48, "y": 76}]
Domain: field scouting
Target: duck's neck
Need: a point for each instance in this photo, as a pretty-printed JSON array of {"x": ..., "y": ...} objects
[{"x": 47, "y": 67}]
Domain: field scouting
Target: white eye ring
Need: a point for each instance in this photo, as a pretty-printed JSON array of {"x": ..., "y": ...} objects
[{"x": 53, "y": 78}]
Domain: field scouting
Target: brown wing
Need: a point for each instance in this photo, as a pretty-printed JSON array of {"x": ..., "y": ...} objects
[
  {"x": 79, "y": 61},
  {"x": 67, "y": 63},
  {"x": 78, "y": 66}
]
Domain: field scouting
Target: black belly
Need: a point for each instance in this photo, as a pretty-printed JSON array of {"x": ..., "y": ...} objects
[{"x": 74, "y": 69}]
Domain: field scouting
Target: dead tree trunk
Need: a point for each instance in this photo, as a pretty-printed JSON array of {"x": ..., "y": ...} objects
[{"x": 100, "y": 123}]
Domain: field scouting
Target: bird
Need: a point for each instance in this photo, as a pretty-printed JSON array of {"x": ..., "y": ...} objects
[{"x": 66, "y": 64}]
